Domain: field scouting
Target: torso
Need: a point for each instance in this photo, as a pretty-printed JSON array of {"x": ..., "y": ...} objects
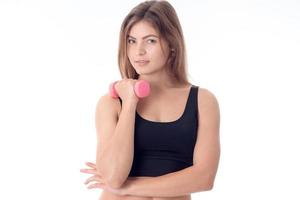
[
  {"x": 157, "y": 108},
  {"x": 161, "y": 108}
]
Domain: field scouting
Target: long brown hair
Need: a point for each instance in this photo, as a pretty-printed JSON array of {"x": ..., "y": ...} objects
[{"x": 162, "y": 16}]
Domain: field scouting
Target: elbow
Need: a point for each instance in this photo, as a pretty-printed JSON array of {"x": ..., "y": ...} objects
[
  {"x": 206, "y": 184},
  {"x": 205, "y": 187},
  {"x": 209, "y": 185}
]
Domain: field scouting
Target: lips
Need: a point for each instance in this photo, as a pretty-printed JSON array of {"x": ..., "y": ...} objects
[{"x": 142, "y": 61}]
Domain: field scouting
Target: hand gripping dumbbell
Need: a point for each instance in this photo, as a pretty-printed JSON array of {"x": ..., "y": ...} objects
[{"x": 141, "y": 89}]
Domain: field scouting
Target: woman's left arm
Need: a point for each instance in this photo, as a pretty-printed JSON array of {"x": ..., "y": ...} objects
[
  {"x": 180, "y": 183},
  {"x": 200, "y": 176}
]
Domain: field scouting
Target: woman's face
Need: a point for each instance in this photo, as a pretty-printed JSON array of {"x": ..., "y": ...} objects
[{"x": 144, "y": 50}]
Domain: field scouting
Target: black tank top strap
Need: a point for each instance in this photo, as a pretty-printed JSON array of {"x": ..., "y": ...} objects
[{"x": 192, "y": 104}]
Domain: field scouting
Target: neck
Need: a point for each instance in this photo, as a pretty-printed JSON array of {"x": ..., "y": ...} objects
[{"x": 159, "y": 82}]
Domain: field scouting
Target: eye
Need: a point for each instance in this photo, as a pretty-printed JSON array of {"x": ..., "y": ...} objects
[
  {"x": 130, "y": 41},
  {"x": 151, "y": 41}
]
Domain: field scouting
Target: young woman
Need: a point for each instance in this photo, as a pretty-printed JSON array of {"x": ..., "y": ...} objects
[{"x": 164, "y": 146}]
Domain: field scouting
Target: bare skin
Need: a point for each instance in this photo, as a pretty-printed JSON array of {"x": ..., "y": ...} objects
[
  {"x": 160, "y": 105},
  {"x": 160, "y": 110},
  {"x": 167, "y": 99}
]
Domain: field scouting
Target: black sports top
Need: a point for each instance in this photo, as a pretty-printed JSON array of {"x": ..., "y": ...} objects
[{"x": 164, "y": 147}]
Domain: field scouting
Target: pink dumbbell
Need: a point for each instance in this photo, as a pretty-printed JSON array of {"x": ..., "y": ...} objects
[{"x": 141, "y": 89}]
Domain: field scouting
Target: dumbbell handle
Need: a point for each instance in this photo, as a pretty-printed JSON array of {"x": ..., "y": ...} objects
[{"x": 141, "y": 89}]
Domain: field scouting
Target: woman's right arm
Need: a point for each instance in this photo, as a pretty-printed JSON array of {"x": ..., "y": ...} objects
[{"x": 115, "y": 139}]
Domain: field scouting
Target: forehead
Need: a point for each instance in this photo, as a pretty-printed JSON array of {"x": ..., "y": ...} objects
[{"x": 141, "y": 29}]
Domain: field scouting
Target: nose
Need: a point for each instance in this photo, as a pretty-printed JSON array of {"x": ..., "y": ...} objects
[{"x": 141, "y": 50}]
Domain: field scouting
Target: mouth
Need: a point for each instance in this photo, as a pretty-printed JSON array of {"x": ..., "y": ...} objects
[{"x": 142, "y": 62}]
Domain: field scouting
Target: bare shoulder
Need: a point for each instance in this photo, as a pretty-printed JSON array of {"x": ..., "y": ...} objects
[
  {"x": 208, "y": 106},
  {"x": 205, "y": 97},
  {"x": 108, "y": 104}
]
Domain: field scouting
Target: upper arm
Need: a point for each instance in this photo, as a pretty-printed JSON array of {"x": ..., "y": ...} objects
[
  {"x": 106, "y": 117},
  {"x": 207, "y": 147}
]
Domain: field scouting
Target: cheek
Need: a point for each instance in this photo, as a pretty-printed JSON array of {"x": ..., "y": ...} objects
[
  {"x": 159, "y": 56},
  {"x": 130, "y": 55}
]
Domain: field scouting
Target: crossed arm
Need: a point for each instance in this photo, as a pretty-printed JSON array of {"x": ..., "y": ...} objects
[
  {"x": 180, "y": 183},
  {"x": 200, "y": 176}
]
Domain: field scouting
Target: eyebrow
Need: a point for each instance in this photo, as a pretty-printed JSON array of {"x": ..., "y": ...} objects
[{"x": 151, "y": 35}]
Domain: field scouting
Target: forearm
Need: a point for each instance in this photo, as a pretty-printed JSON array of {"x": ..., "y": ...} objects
[
  {"x": 116, "y": 161},
  {"x": 180, "y": 183}
]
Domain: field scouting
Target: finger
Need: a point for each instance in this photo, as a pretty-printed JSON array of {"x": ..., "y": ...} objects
[
  {"x": 91, "y": 165},
  {"x": 96, "y": 185},
  {"x": 94, "y": 178},
  {"x": 89, "y": 171}
]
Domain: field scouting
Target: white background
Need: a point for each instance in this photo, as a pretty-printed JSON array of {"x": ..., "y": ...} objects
[{"x": 58, "y": 57}]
